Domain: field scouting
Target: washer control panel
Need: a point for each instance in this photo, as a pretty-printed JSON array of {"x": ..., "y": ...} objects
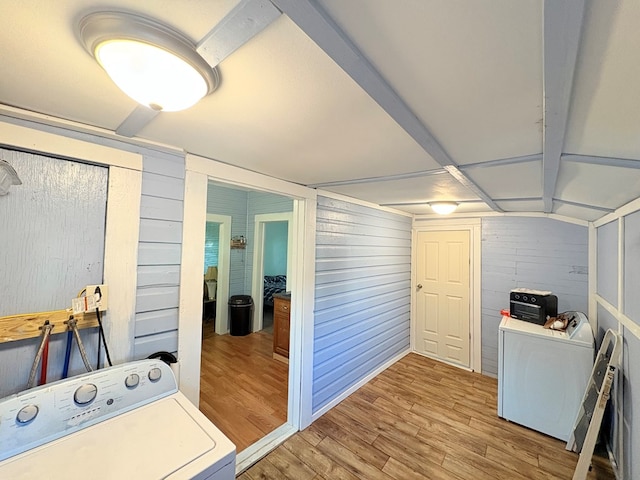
[{"x": 40, "y": 415}]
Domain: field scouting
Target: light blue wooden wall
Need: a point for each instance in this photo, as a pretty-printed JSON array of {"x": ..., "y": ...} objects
[
  {"x": 276, "y": 240},
  {"x": 51, "y": 246},
  {"x": 607, "y": 241},
  {"x": 159, "y": 254},
  {"x": 607, "y": 288},
  {"x": 632, "y": 264},
  {"x": 631, "y": 396},
  {"x": 51, "y": 232},
  {"x": 211, "y": 245},
  {"x": 629, "y": 375},
  {"x": 259, "y": 203},
  {"x": 607, "y": 276},
  {"x": 362, "y": 297},
  {"x": 243, "y": 206},
  {"x": 631, "y": 362},
  {"x": 232, "y": 202},
  {"x": 538, "y": 253}
]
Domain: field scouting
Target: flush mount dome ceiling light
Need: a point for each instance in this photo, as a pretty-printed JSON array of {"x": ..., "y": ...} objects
[
  {"x": 443, "y": 208},
  {"x": 153, "y": 64}
]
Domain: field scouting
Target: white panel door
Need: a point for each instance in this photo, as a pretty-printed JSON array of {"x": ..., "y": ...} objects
[{"x": 442, "y": 307}]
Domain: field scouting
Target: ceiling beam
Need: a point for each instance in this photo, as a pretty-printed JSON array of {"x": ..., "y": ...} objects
[
  {"x": 386, "y": 178},
  {"x": 465, "y": 180},
  {"x": 417, "y": 204},
  {"x": 584, "y": 205},
  {"x": 136, "y": 121},
  {"x": 502, "y": 162},
  {"x": 562, "y": 22},
  {"x": 608, "y": 161},
  {"x": 321, "y": 28},
  {"x": 519, "y": 199},
  {"x": 240, "y": 25}
]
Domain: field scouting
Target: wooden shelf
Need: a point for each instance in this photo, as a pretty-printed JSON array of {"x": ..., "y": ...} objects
[
  {"x": 238, "y": 243},
  {"x": 28, "y": 325}
]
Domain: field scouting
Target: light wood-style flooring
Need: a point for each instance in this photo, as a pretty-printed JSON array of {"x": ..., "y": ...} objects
[
  {"x": 420, "y": 419},
  {"x": 243, "y": 390}
]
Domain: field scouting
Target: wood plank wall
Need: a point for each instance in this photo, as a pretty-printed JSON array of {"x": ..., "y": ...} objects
[
  {"x": 159, "y": 250},
  {"x": 243, "y": 206},
  {"x": 607, "y": 285},
  {"x": 607, "y": 271},
  {"x": 363, "y": 294},
  {"x": 232, "y": 202},
  {"x": 52, "y": 231},
  {"x": 259, "y": 203},
  {"x": 538, "y": 253},
  {"x": 212, "y": 246}
]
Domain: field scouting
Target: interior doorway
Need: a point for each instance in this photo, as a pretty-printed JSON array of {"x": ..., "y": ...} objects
[
  {"x": 216, "y": 254},
  {"x": 271, "y": 260},
  {"x": 433, "y": 235},
  {"x": 200, "y": 173},
  {"x": 244, "y": 388},
  {"x": 443, "y": 296}
]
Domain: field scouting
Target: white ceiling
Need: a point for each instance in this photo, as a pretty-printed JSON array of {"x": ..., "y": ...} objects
[{"x": 528, "y": 106}]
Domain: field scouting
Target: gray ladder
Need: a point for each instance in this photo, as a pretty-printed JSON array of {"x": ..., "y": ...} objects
[{"x": 587, "y": 425}]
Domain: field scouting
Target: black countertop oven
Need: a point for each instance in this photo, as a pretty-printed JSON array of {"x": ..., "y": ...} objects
[{"x": 532, "y": 306}]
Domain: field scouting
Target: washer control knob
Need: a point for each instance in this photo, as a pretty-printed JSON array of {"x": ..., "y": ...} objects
[
  {"x": 132, "y": 380},
  {"x": 85, "y": 394},
  {"x": 155, "y": 374},
  {"x": 27, "y": 414}
]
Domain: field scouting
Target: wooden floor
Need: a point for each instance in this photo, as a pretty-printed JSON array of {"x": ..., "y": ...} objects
[
  {"x": 243, "y": 390},
  {"x": 420, "y": 419}
]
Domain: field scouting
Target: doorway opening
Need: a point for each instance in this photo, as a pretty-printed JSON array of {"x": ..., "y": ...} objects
[
  {"x": 244, "y": 386},
  {"x": 216, "y": 266},
  {"x": 446, "y": 315},
  {"x": 443, "y": 296},
  {"x": 200, "y": 174},
  {"x": 272, "y": 265}
]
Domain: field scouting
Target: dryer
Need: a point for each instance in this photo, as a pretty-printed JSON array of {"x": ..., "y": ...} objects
[
  {"x": 543, "y": 373},
  {"x": 127, "y": 421}
]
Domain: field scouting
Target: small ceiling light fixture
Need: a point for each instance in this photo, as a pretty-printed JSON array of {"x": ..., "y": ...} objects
[
  {"x": 8, "y": 177},
  {"x": 443, "y": 208},
  {"x": 153, "y": 64}
]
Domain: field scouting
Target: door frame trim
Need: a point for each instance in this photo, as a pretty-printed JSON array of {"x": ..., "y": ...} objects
[
  {"x": 474, "y": 227},
  {"x": 224, "y": 267},
  {"x": 199, "y": 171},
  {"x": 257, "y": 283}
]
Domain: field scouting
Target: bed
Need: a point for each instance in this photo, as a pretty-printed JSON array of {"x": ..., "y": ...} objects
[{"x": 273, "y": 284}]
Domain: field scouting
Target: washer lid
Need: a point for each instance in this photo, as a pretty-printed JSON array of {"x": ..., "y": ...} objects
[
  {"x": 150, "y": 442},
  {"x": 580, "y": 335}
]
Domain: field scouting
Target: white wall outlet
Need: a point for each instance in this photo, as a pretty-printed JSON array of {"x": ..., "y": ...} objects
[{"x": 101, "y": 301}]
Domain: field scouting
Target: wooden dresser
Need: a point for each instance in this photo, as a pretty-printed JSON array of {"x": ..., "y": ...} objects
[{"x": 281, "y": 319}]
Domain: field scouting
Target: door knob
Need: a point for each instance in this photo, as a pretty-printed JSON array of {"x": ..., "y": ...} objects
[{"x": 419, "y": 286}]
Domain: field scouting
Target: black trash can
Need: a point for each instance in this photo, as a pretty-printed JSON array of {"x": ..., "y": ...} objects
[{"x": 240, "y": 314}]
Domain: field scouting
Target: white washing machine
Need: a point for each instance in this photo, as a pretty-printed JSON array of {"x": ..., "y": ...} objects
[
  {"x": 543, "y": 373},
  {"x": 127, "y": 421}
]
